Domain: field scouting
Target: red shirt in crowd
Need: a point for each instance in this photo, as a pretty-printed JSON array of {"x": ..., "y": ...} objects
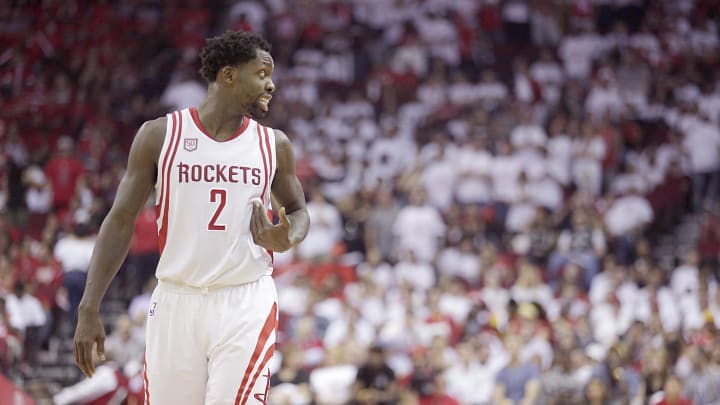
[
  {"x": 63, "y": 173},
  {"x": 439, "y": 399},
  {"x": 682, "y": 401},
  {"x": 145, "y": 237}
]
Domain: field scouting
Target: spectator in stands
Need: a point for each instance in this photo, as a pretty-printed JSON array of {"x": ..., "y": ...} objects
[
  {"x": 626, "y": 220},
  {"x": 583, "y": 244},
  {"x": 27, "y": 316},
  {"x": 439, "y": 395},
  {"x": 11, "y": 344},
  {"x": 326, "y": 229},
  {"x": 471, "y": 379},
  {"x": 38, "y": 198},
  {"x": 673, "y": 393},
  {"x": 121, "y": 344},
  {"x": 375, "y": 382},
  {"x": 107, "y": 385},
  {"x": 74, "y": 251},
  {"x": 378, "y": 227},
  {"x": 290, "y": 385},
  {"x": 564, "y": 382},
  {"x": 143, "y": 255},
  {"x": 518, "y": 382},
  {"x": 702, "y": 143},
  {"x": 63, "y": 171},
  {"x": 596, "y": 393},
  {"x": 419, "y": 227},
  {"x": 702, "y": 381},
  {"x": 621, "y": 379}
]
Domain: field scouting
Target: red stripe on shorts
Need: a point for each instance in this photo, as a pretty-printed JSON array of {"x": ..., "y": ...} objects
[
  {"x": 266, "y": 358},
  {"x": 147, "y": 390},
  {"x": 268, "y": 327}
]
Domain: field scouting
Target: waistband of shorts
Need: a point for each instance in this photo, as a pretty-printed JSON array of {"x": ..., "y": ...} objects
[{"x": 187, "y": 289}]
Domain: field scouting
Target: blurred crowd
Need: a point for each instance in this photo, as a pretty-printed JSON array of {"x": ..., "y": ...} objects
[{"x": 491, "y": 184}]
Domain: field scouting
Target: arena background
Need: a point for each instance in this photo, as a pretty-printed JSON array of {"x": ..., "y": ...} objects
[{"x": 511, "y": 201}]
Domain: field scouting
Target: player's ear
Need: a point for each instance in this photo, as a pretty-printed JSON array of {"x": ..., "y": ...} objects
[{"x": 227, "y": 74}]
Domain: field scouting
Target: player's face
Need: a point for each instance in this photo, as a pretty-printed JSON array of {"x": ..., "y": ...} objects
[{"x": 255, "y": 87}]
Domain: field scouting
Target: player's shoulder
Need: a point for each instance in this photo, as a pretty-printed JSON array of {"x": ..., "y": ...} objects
[
  {"x": 154, "y": 128},
  {"x": 280, "y": 136},
  {"x": 151, "y": 135},
  {"x": 282, "y": 142}
]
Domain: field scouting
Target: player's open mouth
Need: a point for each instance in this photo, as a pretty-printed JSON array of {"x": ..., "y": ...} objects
[{"x": 264, "y": 100}]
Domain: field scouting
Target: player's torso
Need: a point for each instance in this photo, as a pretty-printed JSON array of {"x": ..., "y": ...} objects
[{"x": 204, "y": 192}]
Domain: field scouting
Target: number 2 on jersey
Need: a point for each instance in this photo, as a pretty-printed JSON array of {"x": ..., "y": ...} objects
[{"x": 218, "y": 195}]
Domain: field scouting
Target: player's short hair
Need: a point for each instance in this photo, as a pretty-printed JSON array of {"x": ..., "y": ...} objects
[{"x": 230, "y": 48}]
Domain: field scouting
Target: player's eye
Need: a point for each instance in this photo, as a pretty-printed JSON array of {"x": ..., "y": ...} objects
[{"x": 263, "y": 74}]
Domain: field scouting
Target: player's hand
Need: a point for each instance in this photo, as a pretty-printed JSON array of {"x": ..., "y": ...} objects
[
  {"x": 89, "y": 332},
  {"x": 267, "y": 235}
]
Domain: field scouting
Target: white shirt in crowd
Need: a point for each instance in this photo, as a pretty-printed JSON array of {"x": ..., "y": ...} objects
[
  {"x": 419, "y": 275},
  {"x": 473, "y": 382},
  {"x": 419, "y": 229},
  {"x": 183, "y": 95},
  {"x": 505, "y": 172},
  {"x": 74, "y": 253},
  {"x": 578, "y": 52},
  {"x": 454, "y": 262},
  {"x": 25, "y": 311},
  {"x": 604, "y": 101},
  {"x": 325, "y": 230},
  {"x": 439, "y": 179},
  {"x": 628, "y": 213},
  {"x": 702, "y": 142},
  {"x": 528, "y": 135},
  {"x": 667, "y": 308},
  {"x": 473, "y": 183}
]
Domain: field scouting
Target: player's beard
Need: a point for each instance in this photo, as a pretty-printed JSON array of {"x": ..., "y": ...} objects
[{"x": 257, "y": 111}]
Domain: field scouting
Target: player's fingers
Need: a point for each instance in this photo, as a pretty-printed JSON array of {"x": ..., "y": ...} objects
[
  {"x": 88, "y": 358},
  {"x": 80, "y": 347},
  {"x": 255, "y": 225},
  {"x": 262, "y": 215},
  {"x": 283, "y": 217},
  {"x": 75, "y": 353},
  {"x": 101, "y": 347}
]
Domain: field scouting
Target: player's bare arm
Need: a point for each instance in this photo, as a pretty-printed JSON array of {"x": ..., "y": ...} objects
[
  {"x": 114, "y": 239},
  {"x": 288, "y": 194}
]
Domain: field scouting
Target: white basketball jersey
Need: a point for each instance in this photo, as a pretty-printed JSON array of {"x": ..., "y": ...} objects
[{"x": 204, "y": 199}]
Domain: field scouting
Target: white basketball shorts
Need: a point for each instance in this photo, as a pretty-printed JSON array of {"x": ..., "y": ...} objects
[{"x": 210, "y": 346}]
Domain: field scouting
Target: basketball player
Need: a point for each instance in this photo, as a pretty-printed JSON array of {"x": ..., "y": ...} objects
[{"x": 212, "y": 318}]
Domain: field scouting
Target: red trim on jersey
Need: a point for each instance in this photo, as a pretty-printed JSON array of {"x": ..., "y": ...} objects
[
  {"x": 270, "y": 155},
  {"x": 267, "y": 172},
  {"x": 166, "y": 205},
  {"x": 196, "y": 119},
  {"x": 147, "y": 384},
  {"x": 268, "y": 327},
  {"x": 164, "y": 165},
  {"x": 163, "y": 173},
  {"x": 265, "y": 165}
]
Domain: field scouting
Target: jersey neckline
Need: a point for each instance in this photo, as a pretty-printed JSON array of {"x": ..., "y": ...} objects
[{"x": 199, "y": 125}]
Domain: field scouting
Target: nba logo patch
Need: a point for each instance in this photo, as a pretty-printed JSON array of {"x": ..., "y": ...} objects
[
  {"x": 151, "y": 312},
  {"x": 190, "y": 144}
]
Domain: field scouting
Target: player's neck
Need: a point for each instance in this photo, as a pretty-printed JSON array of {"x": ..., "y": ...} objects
[{"x": 219, "y": 117}]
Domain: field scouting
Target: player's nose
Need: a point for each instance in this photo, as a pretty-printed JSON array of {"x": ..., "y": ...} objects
[{"x": 270, "y": 86}]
